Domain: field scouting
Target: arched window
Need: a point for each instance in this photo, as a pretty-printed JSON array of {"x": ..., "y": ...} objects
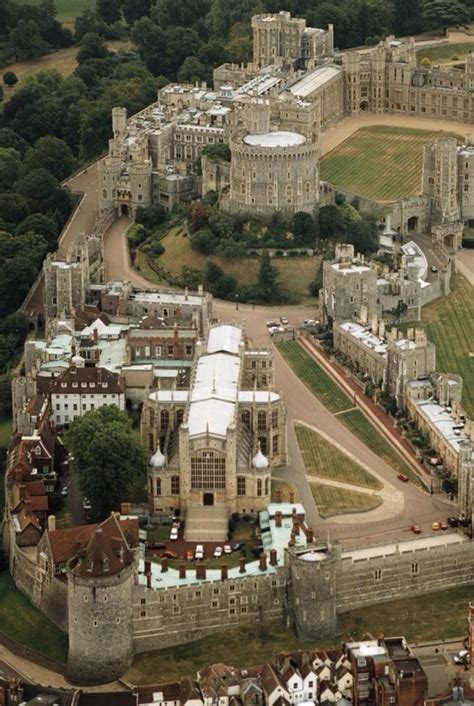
[
  {"x": 164, "y": 419},
  {"x": 263, "y": 444},
  {"x": 267, "y": 486},
  {"x": 158, "y": 486},
  {"x": 259, "y": 487},
  {"x": 208, "y": 470},
  {"x": 247, "y": 418},
  {"x": 275, "y": 444},
  {"x": 262, "y": 421},
  {"x": 242, "y": 188},
  {"x": 151, "y": 417},
  {"x": 179, "y": 417},
  {"x": 275, "y": 419}
]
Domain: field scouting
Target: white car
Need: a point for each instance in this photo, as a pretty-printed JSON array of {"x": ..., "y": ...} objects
[
  {"x": 460, "y": 657},
  {"x": 284, "y": 320},
  {"x": 86, "y": 504},
  {"x": 174, "y": 534},
  {"x": 227, "y": 549},
  {"x": 64, "y": 491},
  {"x": 199, "y": 552},
  {"x": 218, "y": 552}
]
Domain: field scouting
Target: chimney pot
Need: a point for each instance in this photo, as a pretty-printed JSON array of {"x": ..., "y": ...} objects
[
  {"x": 182, "y": 570},
  {"x": 262, "y": 562},
  {"x": 242, "y": 565},
  {"x": 201, "y": 572},
  {"x": 273, "y": 557},
  {"x": 224, "y": 572},
  {"x": 310, "y": 535},
  {"x": 164, "y": 564},
  {"x": 148, "y": 579},
  {"x": 147, "y": 566}
]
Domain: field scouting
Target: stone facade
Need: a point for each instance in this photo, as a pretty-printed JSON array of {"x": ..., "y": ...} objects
[{"x": 219, "y": 434}]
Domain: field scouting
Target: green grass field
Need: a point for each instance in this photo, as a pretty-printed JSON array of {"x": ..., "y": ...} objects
[
  {"x": 68, "y": 10},
  {"x": 338, "y": 501},
  {"x": 296, "y": 274},
  {"x": 23, "y": 623},
  {"x": 434, "y": 617},
  {"x": 380, "y": 163},
  {"x": 324, "y": 460},
  {"x": 446, "y": 53},
  {"x": 314, "y": 377},
  {"x": 449, "y": 323},
  {"x": 366, "y": 432}
]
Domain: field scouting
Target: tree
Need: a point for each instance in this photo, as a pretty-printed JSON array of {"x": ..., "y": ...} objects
[
  {"x": 13, "y": 208},
  {"x": 53, "y": 154},
  {"x": 92, "y": 47},
  {"x": 109, "y": 458},
  {"x": 109, "y": 11},
  {"x": 150, "y": 216},
  {"x": 268, "y": 287},
  {"x": 204, "y": 241},
  {"x": 39, "y": 223},
  {"x": 218, "y": 283},
  {"x": 303, "y": 227},
  {"x": 442, "y": 14},
  {"x": 191, "y": 70},
  {"x": 399, "y": 310},
  {"x": 26, "y": 40},
  {"x": 133, "y": 10},
  {"x": 10, "y": 167},
  {"x": 10, "y": 78},
  {"x": 89, "y": 21},
  {"x": 331, "y": 222}
]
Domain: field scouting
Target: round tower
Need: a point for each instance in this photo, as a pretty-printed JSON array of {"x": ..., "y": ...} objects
[
  {"x": 312, "y": 592},
  {"x": 140, "y": 174},
  {"x": 100, "y": 584}
]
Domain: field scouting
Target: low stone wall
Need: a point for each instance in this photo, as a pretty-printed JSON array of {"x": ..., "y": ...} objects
[
  {"x": 22, "y": 570},
  {"x": 53, "y": 603}
]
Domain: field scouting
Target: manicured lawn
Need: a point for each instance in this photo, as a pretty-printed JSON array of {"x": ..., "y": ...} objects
[
  {"x": 68, "y": 10},
  {"x": 359, "y": 164},
  {"x": 23, "y": 623},
  {"x": 324, "y": 460},
  {"x": 433, "y": 617},
  {"x": 449, "y": 323},
  {"x": 318, "y": 381},
  {"x": 296, "y": 274},
  {"x": 337, "y": 501},
  {"x": 366, "y": 432},
  {"x": 446, "y": 53}
]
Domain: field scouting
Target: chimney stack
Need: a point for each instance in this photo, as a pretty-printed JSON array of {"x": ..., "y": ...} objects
[
  {"x": 200, "y": 572},
  {"x": 148, "y": 579},
  {"x": 278, "y": 519},
  {"x": 224, "y": 572},
  {"x": 310, "y": 535},
  {"x": 262, "y": 562},
  {"x": 147, "y": 566},
  {"x": 164, "y": 564},
  {"x": 242, "y": 565},
  {"x": 182, "y": 570},
  {"x": 273, "y": 557}
]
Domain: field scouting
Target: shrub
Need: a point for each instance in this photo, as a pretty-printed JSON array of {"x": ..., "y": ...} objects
[{"x": 10, "y": 78}]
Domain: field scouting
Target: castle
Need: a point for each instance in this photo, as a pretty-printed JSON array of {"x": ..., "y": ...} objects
[{"x": 271, "y": 112}]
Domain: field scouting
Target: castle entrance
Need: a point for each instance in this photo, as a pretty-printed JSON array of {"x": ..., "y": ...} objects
[
  {"x": 364, "y": 105},
  {"x": 449, "y": 241},
  {"x": 413, "y": 224},
  {"x": 124, "y": 210},
  {"x": 208, "y": 499}
]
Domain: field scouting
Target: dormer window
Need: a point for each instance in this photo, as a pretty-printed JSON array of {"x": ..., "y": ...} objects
[
  {"x": 90, "y": 564},
  {"x": 83, "y": 384},
  {"x": 74, "y": 384},
  {"x": 106, "y": 564},
  {"x": 105, "y": 384},
  {"x": 92, "y": 384},
  {"x": 64, "y": 384}
]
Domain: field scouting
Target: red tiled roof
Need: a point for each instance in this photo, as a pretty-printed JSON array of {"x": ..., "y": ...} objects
[{"x": 66, "y": 542}]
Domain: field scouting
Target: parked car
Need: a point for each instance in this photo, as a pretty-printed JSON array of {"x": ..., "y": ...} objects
[
  {"x": 453, "y": 521},
  {"x": 227, "y": 549},
  {"x": 155, "y": 545},
  {"x": 238, "y": 546},
  {"x": 86, "y": 504},
  {"x": 416, "y": 529},
  {"x": 402, "y": 477},
  {"x": 443, "y": 525},
  {"x": 218, "y": 551},
  {"x": 272, "y": 324},
  {"x": 434, "y": 268},
  {"x": 170, "y": 555},
  {"x": 174, "y": 534},
  {"x": 284, "y": 320},
  {"x": 64, "y": 491},
  {"x": 199, "y": 552},
  {"x": 435, "y": 526},
  {"x": 189, "y": 555},
  {"x": 460, "y": 657}
]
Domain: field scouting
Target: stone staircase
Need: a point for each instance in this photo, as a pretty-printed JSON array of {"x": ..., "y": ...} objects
[{"x": 207, "y": 523}]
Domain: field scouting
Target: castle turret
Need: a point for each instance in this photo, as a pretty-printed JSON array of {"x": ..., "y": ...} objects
[{"x": 100, "y": 583}]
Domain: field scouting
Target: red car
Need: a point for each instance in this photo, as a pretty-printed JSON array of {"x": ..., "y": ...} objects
[
  {"x": 416, "y": 529},
  {"x": 170, "y": 555},
  {"x": 189, "y": 555},
  {"x": 402, "y": 477},
  {"x": 443, "y": 525}
]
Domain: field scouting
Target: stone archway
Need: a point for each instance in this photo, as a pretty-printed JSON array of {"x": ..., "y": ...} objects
[
  {"x": 124, "y": 210},
  {"x": 413, "y": 224},
  {"x": 208, "y": 499},
  {"x": 449, "y": 241},
  {"x": 364, "y": 106}
]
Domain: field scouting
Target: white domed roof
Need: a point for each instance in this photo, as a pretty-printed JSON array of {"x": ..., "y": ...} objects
[
  {"x": 158, "y": 460},
  {"x": 259, "y": 461},
  {"x": 281, "y": 138},
  {"x": 78, "y": 361}
]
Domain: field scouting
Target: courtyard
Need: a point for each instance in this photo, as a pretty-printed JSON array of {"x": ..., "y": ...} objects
[{"x": 359, "y": 163}]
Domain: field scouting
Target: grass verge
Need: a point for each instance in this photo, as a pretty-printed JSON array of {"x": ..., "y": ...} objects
[
  {"x": 26, "y": 625},
  {"x": 318, "y": 381},
  {"x": 437, "y": 616},
  {"x": 360, "y": 426},
  {"x": 324, "y": 460},
  {"x": 446, "y": 53},
  {"x": 338, "y": 501},
  {"x": 449, "y": 324}
]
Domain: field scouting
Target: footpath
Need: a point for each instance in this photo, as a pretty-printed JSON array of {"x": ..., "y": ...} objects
[{"x": 368, "y": 407}]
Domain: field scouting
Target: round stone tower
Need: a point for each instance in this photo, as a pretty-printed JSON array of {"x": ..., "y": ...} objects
[
  {"x": 312, "y": 590},
  {"x": 100, "y": 584},
  {"x": 273, "y": 171}
]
